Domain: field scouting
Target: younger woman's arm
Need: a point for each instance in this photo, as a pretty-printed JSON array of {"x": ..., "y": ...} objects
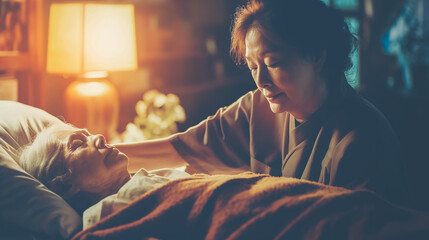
[{"x": 151, "y": 154}]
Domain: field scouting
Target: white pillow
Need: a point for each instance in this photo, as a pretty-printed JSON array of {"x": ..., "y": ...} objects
[{"x": 24, "y": 201}]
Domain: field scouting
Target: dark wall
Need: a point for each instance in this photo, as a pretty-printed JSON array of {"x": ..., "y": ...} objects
[{"x": 406, "y": 109}]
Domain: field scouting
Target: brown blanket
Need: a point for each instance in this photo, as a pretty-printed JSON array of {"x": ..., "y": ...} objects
[{"x": 254, "y": 206}]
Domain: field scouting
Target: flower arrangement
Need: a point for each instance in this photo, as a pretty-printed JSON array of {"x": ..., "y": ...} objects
[{"x": 157, "y": 117}]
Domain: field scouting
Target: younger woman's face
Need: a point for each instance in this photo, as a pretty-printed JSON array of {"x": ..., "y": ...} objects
[
  {"x": 288, "y": 81},
  {"x": 96, "y": 167}
]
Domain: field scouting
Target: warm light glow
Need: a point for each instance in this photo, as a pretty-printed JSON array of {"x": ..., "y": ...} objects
[
  {"x": 88, "y": 40},
  {"x": 97, "y": 74},
  {"x": 92, "y": 89},
  {"x": 65, "y": 38},
  {"x": 93, "y": 105},
  {"x": 91, "y": 37}
]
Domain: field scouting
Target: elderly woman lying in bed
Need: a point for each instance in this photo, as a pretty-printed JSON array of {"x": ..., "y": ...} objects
[{"x": 83, "y": 169}]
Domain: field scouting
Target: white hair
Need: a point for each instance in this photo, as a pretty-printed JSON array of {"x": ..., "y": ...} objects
[{"x": 44, "y": 157}]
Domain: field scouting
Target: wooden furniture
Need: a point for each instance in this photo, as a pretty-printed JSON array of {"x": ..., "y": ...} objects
[{"x": 28, "y": 65}]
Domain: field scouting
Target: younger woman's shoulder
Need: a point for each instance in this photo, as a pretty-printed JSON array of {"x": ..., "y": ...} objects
[
  {"x": 355, "y": 113},
  {"x": 252, "y": 97},
  {"x": 249, "y": 102}
]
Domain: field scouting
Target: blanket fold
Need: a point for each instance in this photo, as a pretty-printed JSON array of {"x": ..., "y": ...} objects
[{"x": 257, "y": 206}]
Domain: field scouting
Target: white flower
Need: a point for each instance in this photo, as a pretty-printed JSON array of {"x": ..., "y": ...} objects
[{"x": 157, "y": 116}]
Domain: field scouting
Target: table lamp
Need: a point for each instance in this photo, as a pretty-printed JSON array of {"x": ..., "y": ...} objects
[{"x": 85, "y": 41}]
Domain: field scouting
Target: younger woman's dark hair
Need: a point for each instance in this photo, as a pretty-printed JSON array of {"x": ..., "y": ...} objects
[{"x": 312, "y": 28}]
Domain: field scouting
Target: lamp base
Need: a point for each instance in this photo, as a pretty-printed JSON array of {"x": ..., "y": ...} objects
[{"x": 93, "y": 103}]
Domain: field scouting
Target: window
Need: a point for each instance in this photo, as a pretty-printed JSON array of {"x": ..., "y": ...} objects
[
  {"x": 408, "y": 40},
  {"x": 326, "y": 2},
  {"x": 346, "y": 4},
  {"x": 353, "y": 74},
  {"x": 351, "y": 10}
]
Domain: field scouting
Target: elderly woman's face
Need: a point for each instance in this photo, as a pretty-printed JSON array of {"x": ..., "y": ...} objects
[
  {"x": 288, "y": 81},
  {"x": 96, "y": 167}
]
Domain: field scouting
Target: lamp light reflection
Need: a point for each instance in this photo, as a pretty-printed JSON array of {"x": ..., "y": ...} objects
[
  {"x": 95, "y": 74},
  {"x": 92, "y": 89}
]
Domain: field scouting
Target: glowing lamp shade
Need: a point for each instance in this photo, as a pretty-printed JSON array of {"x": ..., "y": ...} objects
[
  {"x": 87, "y": 40},
  {"x": 87, "y": 37}
]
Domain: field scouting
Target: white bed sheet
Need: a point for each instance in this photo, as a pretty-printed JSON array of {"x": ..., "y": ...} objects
[{"x": 142, "y": 182}]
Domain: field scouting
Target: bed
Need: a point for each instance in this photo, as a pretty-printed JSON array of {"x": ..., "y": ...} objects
[
  {"x": 28, "y": 210},
  {"x": 198, "y": 206}
]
